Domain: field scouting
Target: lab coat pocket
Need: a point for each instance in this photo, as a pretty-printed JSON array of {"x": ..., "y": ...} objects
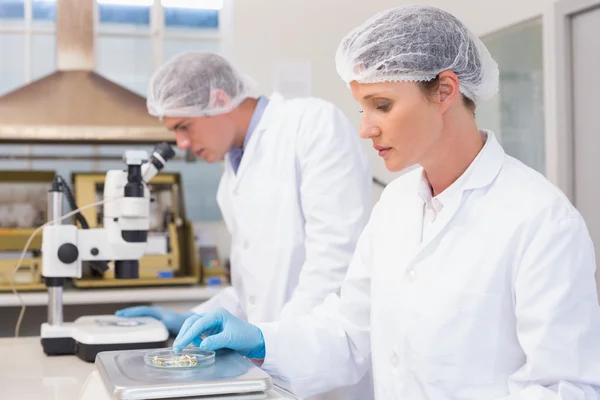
[{"x": 455, "y": 340}]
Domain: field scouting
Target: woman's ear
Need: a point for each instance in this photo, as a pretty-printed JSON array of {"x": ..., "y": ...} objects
[{"x": 448, "y": 89}]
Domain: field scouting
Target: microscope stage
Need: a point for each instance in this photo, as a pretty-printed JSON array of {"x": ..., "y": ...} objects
[{"x": 89, "y": 335}]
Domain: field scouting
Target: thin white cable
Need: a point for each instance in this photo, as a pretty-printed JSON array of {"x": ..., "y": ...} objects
[{"x": 14, "y": 273}]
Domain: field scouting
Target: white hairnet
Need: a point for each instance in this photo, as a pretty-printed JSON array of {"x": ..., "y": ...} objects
[
  {"x": 416, "y": 43},
  {"x": 186, "y": 86}
]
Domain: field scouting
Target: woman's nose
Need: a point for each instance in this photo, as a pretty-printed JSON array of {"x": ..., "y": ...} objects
[{"x": 368, "y": 131}]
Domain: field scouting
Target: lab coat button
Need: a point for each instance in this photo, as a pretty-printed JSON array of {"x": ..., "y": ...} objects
[
  {"x": 411, "y": 275},
  {"x": 252, "y": 300},
  {"x": 394, "y": 360},
  {"x": 246, "y": 244}
]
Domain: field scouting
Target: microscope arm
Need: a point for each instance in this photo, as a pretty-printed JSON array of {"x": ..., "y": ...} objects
[{"x": 65, "y": 247}]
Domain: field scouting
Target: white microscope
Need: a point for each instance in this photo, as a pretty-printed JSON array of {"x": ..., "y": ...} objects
[
  {"x": 118, "y": 345},
  {"x": 123, "y": 239}
]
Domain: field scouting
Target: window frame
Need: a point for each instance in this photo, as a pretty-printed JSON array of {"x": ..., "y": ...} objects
[{"x": 157, "y": 33}]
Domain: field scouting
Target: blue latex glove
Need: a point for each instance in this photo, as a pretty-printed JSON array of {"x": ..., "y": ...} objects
[
  {"x": 171, "y": 320},
  {"x": 219, "y": 329}
]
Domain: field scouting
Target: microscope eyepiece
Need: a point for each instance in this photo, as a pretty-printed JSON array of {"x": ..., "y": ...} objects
[
  {"x": 162, "y": 153},
  {"x": 165, "y": 150}
]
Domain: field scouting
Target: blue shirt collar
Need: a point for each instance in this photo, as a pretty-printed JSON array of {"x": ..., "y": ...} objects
[
  {"x": 261, "y": 105},
  {"x": 236, "y": 153}
]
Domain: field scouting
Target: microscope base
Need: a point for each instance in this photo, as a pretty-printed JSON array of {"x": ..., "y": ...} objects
[
  {"x": 88, "y": 336},
  {"x": 59, "y": 346}
]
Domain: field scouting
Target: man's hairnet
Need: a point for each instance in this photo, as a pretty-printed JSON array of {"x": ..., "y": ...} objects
[
  {"x": 188, "y": 86},
  {"x": 416, "y": 43}
]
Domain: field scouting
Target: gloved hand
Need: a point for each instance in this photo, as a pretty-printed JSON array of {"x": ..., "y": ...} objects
[
  {"x": 172, "y": 320},
  {"x": 219, "y": 329}
]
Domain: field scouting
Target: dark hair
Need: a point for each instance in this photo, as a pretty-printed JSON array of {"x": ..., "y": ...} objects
[{"x": 429, "y": 88}]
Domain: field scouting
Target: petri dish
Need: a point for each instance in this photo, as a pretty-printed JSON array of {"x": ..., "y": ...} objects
[{"x": 188, "y": 358}]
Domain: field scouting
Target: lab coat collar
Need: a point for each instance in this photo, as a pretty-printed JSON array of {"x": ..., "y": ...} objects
[
  {"x": 269, "y": 115},
  {"x": 481, "y": 173},
  {"x": 487, "y": 165}
]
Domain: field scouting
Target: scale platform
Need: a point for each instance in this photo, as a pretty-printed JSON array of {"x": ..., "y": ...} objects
[{"x": 125, "y": 376}]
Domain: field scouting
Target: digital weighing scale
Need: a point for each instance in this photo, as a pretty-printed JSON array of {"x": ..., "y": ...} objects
[{"x": 123, "y": 375}]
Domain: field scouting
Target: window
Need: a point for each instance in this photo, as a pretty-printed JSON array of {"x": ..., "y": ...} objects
[
  {"x": 516, "y": 115},
  {"x": 134, "y": 37},
  {"x": 12, "y": 13}
]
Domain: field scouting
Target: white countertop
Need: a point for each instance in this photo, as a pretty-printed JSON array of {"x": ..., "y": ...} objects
[
  {"x": 27, "y": 373},
  {"x": 116, "y": 295}
]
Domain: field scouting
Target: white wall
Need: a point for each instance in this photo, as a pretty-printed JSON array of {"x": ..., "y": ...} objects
[{"x": 270, "y": 31}]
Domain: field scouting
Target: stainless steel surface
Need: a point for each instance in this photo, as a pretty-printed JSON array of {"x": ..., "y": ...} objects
[
  {"x": 55, "y": 293},
  {"x": 126, "y": 376},
  {"x": 70, "y": 157},
  {"x": 75, "y": 104},
  {"x": 55, "y": 306},
  {"x": 129, "y": 127},
  {"x": 55, "y": 207}
]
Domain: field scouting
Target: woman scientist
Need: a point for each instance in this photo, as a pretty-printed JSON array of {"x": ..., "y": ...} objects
[{"x": 474, "y": 278}]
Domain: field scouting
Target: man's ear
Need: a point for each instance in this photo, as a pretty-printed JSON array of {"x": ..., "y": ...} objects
[{"x": 219, "y": 99}]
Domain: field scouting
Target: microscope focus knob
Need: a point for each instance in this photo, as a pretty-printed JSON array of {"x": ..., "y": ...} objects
[{"x": 68, "y": 253}]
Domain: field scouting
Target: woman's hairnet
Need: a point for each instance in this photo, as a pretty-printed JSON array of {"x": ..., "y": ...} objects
[
  {"x": 416, "y": 43},
  {"x": 189, "y": 85}
]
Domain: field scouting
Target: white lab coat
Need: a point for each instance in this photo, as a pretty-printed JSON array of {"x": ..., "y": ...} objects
[
  {"x": 498, "y": 301},
  {"x": 295, "y": 209}
]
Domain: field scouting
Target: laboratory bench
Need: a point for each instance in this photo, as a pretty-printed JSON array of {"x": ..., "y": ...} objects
[{"x": 27, "y": 373}]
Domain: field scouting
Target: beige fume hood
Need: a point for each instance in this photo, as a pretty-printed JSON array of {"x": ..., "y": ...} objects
[{"x": 75, "y": 104}]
